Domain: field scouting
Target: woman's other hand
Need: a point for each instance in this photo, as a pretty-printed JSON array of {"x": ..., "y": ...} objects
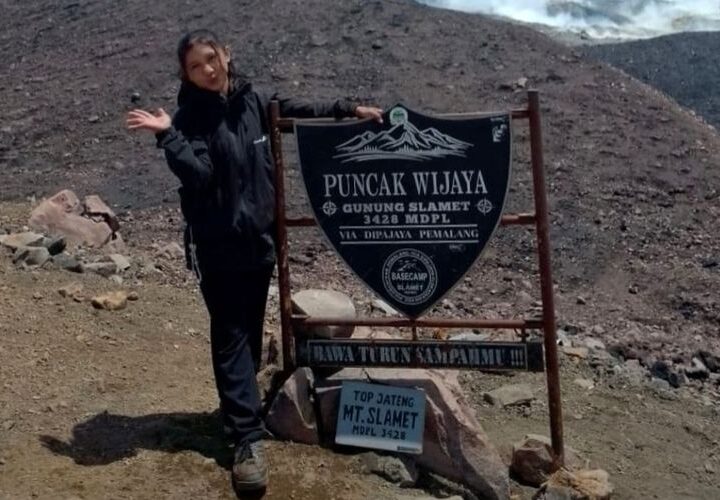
[
  {"x": 369, "y": 112},
  {"x": 155, "y": 122}
]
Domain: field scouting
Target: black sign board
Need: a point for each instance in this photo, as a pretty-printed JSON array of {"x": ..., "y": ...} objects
[
  {"x": 408, "y": 204},
  {"x": 422, "y": 354}
]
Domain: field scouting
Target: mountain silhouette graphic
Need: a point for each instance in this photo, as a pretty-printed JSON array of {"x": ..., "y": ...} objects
[{"x": 403, "y": 141}]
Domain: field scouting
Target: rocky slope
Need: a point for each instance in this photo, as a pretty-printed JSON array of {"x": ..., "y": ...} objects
[
  {"x": 632, "y": 182},
  {"x": 684, "y": 66}
]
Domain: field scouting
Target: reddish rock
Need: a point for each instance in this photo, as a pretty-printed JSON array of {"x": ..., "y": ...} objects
[
  {"x": 291, "y": 414},
  {"x": 577, "y": 485},
  {"x": 59, "y": 216},
  {"x": 532, "y": 459},
  {"x": 111, "y": 301}
]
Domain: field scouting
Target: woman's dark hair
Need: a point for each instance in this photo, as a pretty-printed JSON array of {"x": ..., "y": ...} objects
[{"x": 205, "y": 37}]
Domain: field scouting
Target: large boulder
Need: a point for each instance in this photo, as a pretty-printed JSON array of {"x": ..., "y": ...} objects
[
  {"x": 61, "y": 216},
  {"x": 291, "y": 414},
  {"x": 325, "y": 303},
  {"x": 454, "y": 444}
]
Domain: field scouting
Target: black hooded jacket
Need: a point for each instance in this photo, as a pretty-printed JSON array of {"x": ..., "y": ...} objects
[{"x": 220, "y": 150}]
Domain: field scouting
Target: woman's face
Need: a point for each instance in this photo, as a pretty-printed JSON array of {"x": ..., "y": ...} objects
[{"x": 207, "y": 68}]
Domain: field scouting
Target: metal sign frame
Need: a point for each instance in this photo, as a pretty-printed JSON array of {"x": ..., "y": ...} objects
[{"x": 408, "y": 353}]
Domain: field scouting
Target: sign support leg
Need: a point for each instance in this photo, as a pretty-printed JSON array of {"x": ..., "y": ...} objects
[
  {"x": 546, "y": 283},
  {"x": 282, "y": 250}
]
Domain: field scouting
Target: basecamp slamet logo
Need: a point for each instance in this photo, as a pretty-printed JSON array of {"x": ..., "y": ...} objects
[
  {"x": 409, "y": 276},
  {"x": 403, "y": 141}
]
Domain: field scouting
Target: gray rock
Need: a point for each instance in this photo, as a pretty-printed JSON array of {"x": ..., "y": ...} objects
[
  {"x": 105, "y": 269},
  {"x": 594, "y": 344},
  {"x": 510, "y": 395},
  {"x": 632, "y": 372},
  {"x": 172, "y": 251},
  {"x": 658, "y": 384},
  {"x": 67, "y": 262},
  {"x": 17, "y": 240},
  {"x": 400, "y": 470},
  {"x": 584, "y": 383},
  {"x": 31, "y": 256},
  {"x": 122, "y": 263},
  {"x": 562, "y": 338},
  {"x": 324, "y": 303},
  {"x": 54, "y": 245},
  {"x": 597, "y": 330},
  {"x": 710, "y": 360},
  {"x": 697, "y": 370},
  {"x": 662, "y": 370},
  {"x": 600, "y": 358}
]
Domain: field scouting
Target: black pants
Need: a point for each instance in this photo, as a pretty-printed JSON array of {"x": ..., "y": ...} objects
[{"x": 236, "y": 303}]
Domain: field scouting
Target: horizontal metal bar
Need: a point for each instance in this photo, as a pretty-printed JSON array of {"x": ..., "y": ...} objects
[
  {"x": 506, "y": 220},
  {"x": 517, "y": 219},
  {"x": 300, "y": 222},
  {"x": 509, "y": 324},
  {"x": 287, "y": 125}
]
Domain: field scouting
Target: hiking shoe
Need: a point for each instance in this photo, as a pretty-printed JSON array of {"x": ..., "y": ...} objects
[{"x": 250, "y": 470}]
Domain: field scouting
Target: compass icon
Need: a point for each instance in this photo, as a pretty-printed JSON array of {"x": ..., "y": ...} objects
[
  {"x": 329, "y": 208},
  {"x": 484, "y": 206}
]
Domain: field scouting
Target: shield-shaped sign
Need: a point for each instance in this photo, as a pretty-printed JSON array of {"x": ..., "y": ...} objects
[{"x": 408, "y": 204}]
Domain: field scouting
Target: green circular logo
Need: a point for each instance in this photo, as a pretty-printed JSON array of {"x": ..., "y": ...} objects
[{"x": 398, "y": 115}]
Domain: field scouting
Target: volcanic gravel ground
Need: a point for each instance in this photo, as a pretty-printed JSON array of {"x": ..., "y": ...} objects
[{"x": 632, "y": 182}]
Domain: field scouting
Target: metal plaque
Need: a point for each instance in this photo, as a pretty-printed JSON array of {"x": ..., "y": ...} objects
[
  {"x": 452, "y": 354},
  {"x": 408, "y": 204},
  {"x": 381, "y": 417}
]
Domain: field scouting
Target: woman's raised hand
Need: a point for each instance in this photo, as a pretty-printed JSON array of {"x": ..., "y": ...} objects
[{"x": 155, "y": 122}]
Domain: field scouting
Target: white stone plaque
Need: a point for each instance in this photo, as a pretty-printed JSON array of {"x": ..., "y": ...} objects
[{"x": 381, "y": 417}]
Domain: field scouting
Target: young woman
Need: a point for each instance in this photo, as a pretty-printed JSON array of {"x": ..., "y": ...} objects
[{"x": 217, "y": 145}]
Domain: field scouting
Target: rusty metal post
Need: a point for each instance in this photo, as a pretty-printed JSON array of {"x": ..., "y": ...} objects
[
  {"x": 282, "y": 250},
  {"x": 546, "y": 282}
]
